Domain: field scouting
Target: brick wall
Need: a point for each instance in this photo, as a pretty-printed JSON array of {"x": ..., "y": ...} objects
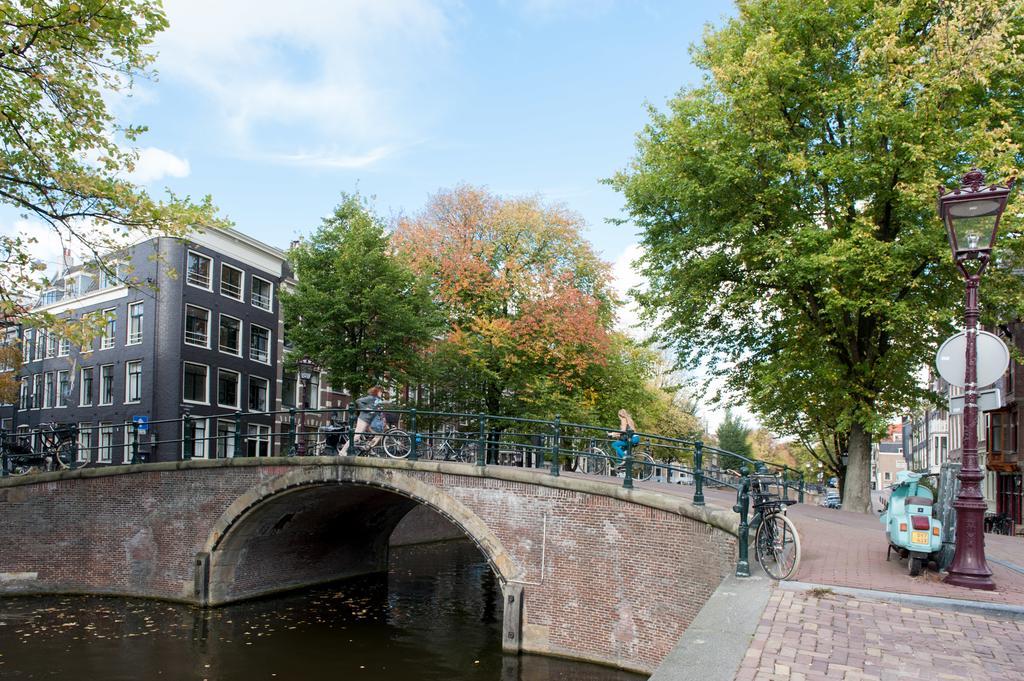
[{"x": 607, "y": 574}]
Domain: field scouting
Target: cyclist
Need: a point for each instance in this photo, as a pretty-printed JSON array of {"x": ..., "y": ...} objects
[
  {"x": 370, "y": 417},
  {"x": 625, "y": 424}
]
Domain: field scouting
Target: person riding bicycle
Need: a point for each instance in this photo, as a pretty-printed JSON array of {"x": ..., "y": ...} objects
[
  {"x": 625, "y": 424},
  {"x": 370, "y": 417}
]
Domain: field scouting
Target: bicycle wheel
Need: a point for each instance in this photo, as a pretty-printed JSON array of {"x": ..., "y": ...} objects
[
  {"x": 643, "y": 466},
  {"x": 777, "y": 546},
  {"x": 397, "y": 443},
  {"x": 597, "y": 461},
  {"x": 65, "y": 455},
  {"x": 466, "y": 453}
]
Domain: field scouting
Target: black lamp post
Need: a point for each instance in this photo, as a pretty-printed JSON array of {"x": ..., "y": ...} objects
[
  {"x": 971, "y": 214},
  {"x": 307, "y": 368}
]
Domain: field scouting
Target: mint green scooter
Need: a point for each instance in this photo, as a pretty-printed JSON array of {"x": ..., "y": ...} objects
[{"x": 912, "y": 531}]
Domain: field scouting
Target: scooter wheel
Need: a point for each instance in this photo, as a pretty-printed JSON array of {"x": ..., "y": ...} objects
[{"x": 916, "y": 565}]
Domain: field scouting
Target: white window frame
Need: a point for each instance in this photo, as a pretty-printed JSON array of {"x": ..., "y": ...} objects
[
  {"x": 100, "y": 402},
  {"x": 193, "y": 342},
  {"x": 62, "y": 393},
  {"x": 270, "y": 343},
  {"x": 128, "y": 381},
  {"x": 225, "y": 442},
  {"x": 198, "y": 282},
  {"x": 86, "y": 433},
  {"x": 202, "y": 439},
  {"x": 25, "y": 394},
  {"x": 64, "y": 349},
  {"x": 207, "y": 388},
  {"x": 241, "y": 335},
  {"x": 52, "y": 344},
  {"x": 134, "y": 337},
  {"x": 241, "y": 285},
  {"x": 258, "y": 435},
  {"x": 37, "y": 391},
  {"x": 238, "y": 388},
  {"x": 81, "y": 386},
  {"x": 40, "y": 343},
  {"x": 248, "y": 395},
  {"x": 109, "y": 338},
  {"x": 28, "y": 347},
  {"x": 49, "y": 389},
  {"x": 257, "y": 298},
  {"x": 105, "y": 442}
]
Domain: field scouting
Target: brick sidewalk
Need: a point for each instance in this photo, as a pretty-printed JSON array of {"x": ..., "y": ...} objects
[
  {"x": 809, "y": 637},
  {"x": 848, "y": 549}
]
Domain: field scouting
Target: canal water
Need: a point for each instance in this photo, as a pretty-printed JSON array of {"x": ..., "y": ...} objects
[{"x": 435, "y": 615}]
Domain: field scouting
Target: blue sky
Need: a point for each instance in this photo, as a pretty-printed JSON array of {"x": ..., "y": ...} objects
[{"x": 276, "y": 108}]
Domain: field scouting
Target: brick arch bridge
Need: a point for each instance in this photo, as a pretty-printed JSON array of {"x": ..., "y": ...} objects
[{"x": 589, "y": 570}]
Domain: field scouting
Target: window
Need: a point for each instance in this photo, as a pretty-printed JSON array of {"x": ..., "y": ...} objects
[
  {"x": 40, "y": 343},
  {"x": 888, "y": 476},
  {"x": 227, "y": 388},
  {"x": 196, "y": 384},
  {"x": 133, "y": 381},
  {"x": 52, "y": 344},
  {"x": 230, "y": 336},
  {"x": 262, "y": 293},
  {"x": 63, "y": 388},
  {"x": 197, "y": 326},
  {"x": 288, "y": 386},
  {"x": 85, "y": 394},
  {"x": 225, "y": 439},
  {"x": 85, "y": 442},
  {"x": 134, "y": 323},
  {"x": 106, "y": 443},
  {"x": 107, "y": 384},
  {"x": 231, "y": 282},
  {"x": 194, "y": 444},
  {"x": 50, "y": 390},
  {"x": 37, "y": 391},
  {"x": 259, "y": 389},
  {"x": 27, "y": 341},
  {"x": 259, "y": 440},
  {"x": 65, "y": 348},
  {"x": 111, "y": 275},
  {"x": 259, "y": 344},
  {"x": 109, "y": 329},
  {"x": 130, "y": 436},
  {"x": 198, "y": 270},
  {"x": 26, "y": 395}
]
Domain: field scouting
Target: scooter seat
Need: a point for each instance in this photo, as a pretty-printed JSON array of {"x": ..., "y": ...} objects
[{"x": 918, "y": 501}]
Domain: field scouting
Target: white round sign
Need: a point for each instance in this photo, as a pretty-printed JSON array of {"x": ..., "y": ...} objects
[{"x": 993, "y": 358}]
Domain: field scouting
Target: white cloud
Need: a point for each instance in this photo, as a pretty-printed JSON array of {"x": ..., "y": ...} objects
[
  {"x": 337, "y": 72},
  {"x": 155, "y": 164}
]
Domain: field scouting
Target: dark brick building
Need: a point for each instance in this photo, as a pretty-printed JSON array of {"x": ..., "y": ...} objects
[{"x": 198, "y": 330}]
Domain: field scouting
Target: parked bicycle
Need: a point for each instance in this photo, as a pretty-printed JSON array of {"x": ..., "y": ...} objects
[
  {"x": 449, "y": 445},
  {"x": 58, "y": 449},
  {"x": 1000, "y": 523},
  {"x": 776, "y": 542},
  {"x": 597, "y": 461}
]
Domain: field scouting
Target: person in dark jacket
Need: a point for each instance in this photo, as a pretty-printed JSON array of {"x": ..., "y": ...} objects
[{"x": 368, "y": 406}]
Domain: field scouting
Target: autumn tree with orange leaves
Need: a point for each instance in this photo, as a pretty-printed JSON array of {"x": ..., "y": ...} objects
[{"x": 527, "y": 301}]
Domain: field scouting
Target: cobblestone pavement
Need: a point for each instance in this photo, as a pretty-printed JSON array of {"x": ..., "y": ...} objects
[{"x": 814, "y": 636}]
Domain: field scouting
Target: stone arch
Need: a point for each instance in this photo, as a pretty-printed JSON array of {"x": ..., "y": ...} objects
[{"x": 374, "y": 498}]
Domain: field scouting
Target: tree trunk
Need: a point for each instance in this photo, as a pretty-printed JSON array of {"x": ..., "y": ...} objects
[{"x": 857, "y": 487}]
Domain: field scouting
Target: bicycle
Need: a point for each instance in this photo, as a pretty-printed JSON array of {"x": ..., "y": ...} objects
[
  {"x": 59, "y": 447},
  {"x": 776, "y": 542},
  {"x": 450, "y": 445},
  {"x": 999, "y": 524},
  {"x": 597, "y": 461}
]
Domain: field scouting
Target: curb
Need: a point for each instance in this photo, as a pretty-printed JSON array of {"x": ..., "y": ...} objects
[{"x": 999, "y": 610}]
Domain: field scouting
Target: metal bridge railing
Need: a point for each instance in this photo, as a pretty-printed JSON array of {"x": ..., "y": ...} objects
[{"x": 553, "y": 446}]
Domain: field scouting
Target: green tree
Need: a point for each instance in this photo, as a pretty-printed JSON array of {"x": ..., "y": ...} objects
[
  {"x": 63, "y": 156},
  {"x": 358, "y": 310},
  {"x": 733, "y": 436},
  {"x": 788, "y": 203}
]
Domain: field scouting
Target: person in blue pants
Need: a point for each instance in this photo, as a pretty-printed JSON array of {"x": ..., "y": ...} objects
[{"x": 625, "y": 423}]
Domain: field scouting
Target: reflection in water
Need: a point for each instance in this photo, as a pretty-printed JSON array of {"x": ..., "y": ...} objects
[{"x": 435, "y": 615}]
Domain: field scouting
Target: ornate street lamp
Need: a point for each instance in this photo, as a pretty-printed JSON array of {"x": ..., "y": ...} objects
[
  {"x": 971, "y": 214},
  {"x": 307, "y": 368}
]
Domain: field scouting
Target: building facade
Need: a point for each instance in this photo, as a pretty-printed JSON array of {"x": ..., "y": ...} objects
[{"x": 198, "y": 331}]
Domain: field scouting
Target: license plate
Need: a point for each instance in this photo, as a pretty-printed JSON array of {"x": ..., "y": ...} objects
[{"x": 919, "y": 538}]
